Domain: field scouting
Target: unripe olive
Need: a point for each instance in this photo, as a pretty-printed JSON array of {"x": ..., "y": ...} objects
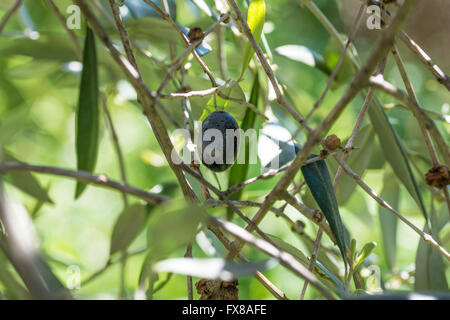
[
  {"x": 332, "y": 142},
  {"x": 438, "y": 177},
  {"x": 218, "y": 155},
  {"x": 226, "y": 20},
  {"x": 195, "y": 34}
]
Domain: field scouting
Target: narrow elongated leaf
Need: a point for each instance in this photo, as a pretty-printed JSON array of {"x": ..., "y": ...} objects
[
  {"x": 332, "y": 53},
  {"x": 146, "y": 271},
  {"x": 365, "y": 252},
  {"x": 13, "y": 289},
  {"x": 139, "y": 9},
  {"x": 322, "y": 257},
  {"x": 430, "y": 268},
  {"x": 304, "y": 55},
  {"x": 319, "y": 270},
  {"x": 394, "y": 151},
  {"x": 388, "y": 222},
  {"x": 255, "y": 20},
  {"x": 26, "y": 182},
  {"x": 340, "y": 286},
  {"x": 210, "y": 245},
  {"x": 211, "y": 268},
  {"x": 318, "y": 180},
  {"x": 176, "y": 227},
  {"x": 87, "y": 116},
  {"x": 128, "y": 226},
  {"x": 389, "y": 142},
  {"x": 202, "y": 5},
  {"x": 52, "y": 282},
  {"x": 238, "y": 172}
]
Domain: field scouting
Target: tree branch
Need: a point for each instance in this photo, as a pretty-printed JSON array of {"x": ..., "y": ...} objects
[
  {"x": 285, "y": 258},
  {"x": 86, "y": 177},
  {"x": 315, "y": 136},
  {"x": 9, "y": 14}
]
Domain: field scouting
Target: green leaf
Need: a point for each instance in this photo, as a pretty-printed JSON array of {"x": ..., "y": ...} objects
[
  {"x": 233, "y": 108},
  {"x": 319, "y": 270},
  {"x": 133, "y": 220},
  {"x": 210, "y": 245},
  {"x": 388, "y": 221},
  {"x": 146, "y": 270},
  {"x": 87, "y": 117},
  {"x": 318, "y": 180},
  {"x": 365, "y": 252},
  {"x": 255, "y": 20},
  {"x": 304, "y": 55},
  {"x": 296, "y": 253},
  {"x": 13, "y": 289},
  {"x": 430, "y": 268},
  {"x": 322, "y": 257},
  {"x": 175, "y": 227},
  {"x": 53, "y": 283},
  {"x": 128, "y": 226},
  {"x": 238, "y": 172},
  {"x": 211, "y": 268},
  {"x": 332, "y": 53},
  {"x": 26, "y": 182},
  {"x": 394, "y": 151}
]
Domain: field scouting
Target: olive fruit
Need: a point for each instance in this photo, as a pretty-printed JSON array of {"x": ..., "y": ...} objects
[
  {"x": 195, "y": 34},
  {"x": 218, "y": 155},
  {"x": 332, "y": 142},
  {"x": 438, "y": 177}
]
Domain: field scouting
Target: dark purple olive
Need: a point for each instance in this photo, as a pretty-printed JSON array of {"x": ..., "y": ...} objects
[{"x": 215, "y": 156}]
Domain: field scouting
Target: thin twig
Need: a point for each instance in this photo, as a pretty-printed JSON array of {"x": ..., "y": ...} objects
[
  {"x": 199, "y": 93},
  {"x": 312, "y": 261},
  {"x": 9, "y": 14},
  {"x": 146, "y": 98},
  {"x": 280, "y": 99},
  {"x": 315, "y": 216},
  {"x": 273, "y": 289},
  {"x": 108, "y": 263},
  {"x": 285, "y": 258},
  {"x": 188, "y": 254},
  {"x": 379, "y": 83},
  {"x": 315, "y": 136},
  {"x": 272, "y": 173},
  {"x": 412, "y": 95},
  {"x": 70, "y": 32},
  {"x": 123, "y": 33},
  {"x": 229, "y": 203},
  {"x": 86, "y": 177},
  {"x": 440, "y": 75},
  {"x": 358, "y": 124},
  {"x": 426, "y": 237},
  {"x": 355, "y": 131},
  {"x": 339, "y": 62},
  {"x": 221, "y": 56}
]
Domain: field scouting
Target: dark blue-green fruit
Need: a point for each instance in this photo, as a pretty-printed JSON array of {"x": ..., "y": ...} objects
[{"x": 218, "y": 155}]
